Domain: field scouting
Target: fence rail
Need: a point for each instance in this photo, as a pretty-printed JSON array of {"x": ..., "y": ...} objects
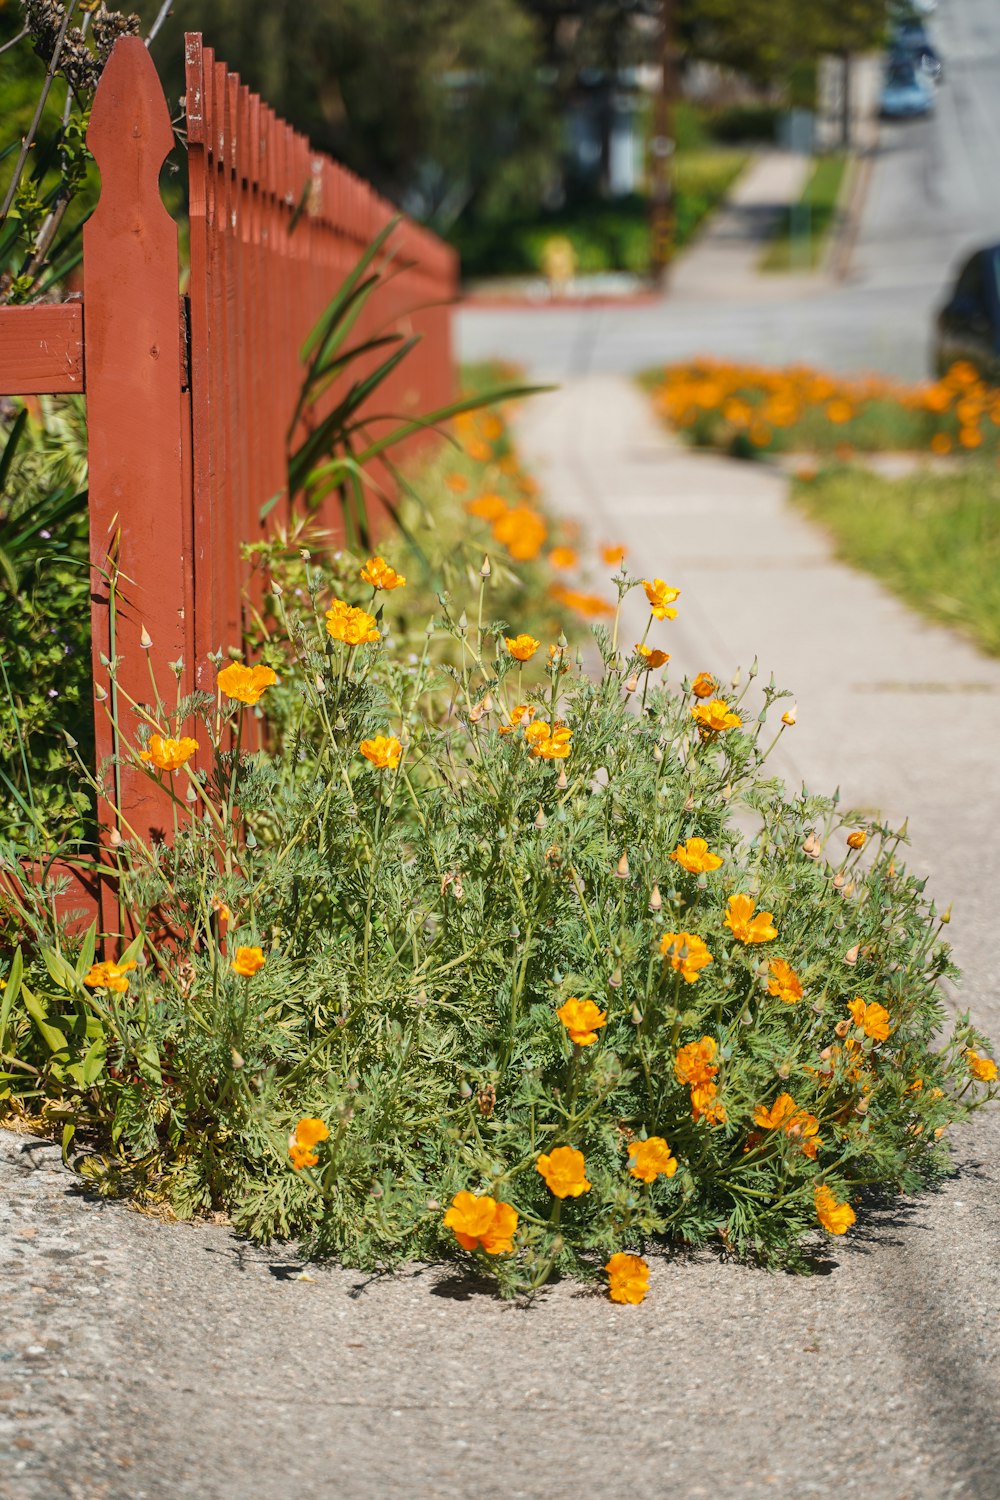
[{"x": 190, "y": 398}]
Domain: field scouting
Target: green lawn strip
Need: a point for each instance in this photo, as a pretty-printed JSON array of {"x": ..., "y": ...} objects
[
  {"x": 933, "y": 539},
  {"x": 606, "y": 234},
  {"x": 800, "y": 239}
]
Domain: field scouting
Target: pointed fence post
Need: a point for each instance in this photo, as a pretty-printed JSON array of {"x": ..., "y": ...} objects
[{"x": 139, "y": 433}]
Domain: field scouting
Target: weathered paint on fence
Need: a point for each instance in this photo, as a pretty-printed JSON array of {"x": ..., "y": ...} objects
[{"x": 190, "y": 399}]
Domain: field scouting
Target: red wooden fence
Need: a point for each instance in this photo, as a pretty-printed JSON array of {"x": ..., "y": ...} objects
[{"x": 189, "y": 399}]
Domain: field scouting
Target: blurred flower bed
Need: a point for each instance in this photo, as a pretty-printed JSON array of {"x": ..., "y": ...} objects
[{"x": 750, "y": 410}]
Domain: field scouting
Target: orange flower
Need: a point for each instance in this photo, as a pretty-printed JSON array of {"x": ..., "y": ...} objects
[
  {"x": 519, "y": 715},
  {"x": 612, "y": 555},
  {"x": 456, "y": 483},
  {"x": 661, "y": 597},
  {"x": 704, "y": 685},
  {"x": 835, "y": 1217},
  {"x": 695, "y": 1062},
  {"x": 247, "y": 962},
  {"x": 479, "y": 1221},
  {"x": 488, "y": 507},
  {"x": 383, "y": 751},
  {"x": 857, "y": 840},
  {"x": 167, "y": 754},
  {"x": 565, "y": 1172},
  {"x": 592, "y": 606},
  {"x": 355, "y": 627},
  {"x": 839, "y": 411},
  {"x": 873, "y": 1019},
  {"x": 522, "y": 647},
  {"x": 378, "y": 573},
  {"x": 652, "y": 658},
  {"x": 706, "y": 1104},
  {"x": 686, "y": 953},
  {"x": 696, "y": 857},
  {"x": 650, "y": 1159},
  {"x": 307, "y": 1134},
  {"x": 746, "y": 927},
  {"x": 108, "y": 976},
  {"x": 940, "y": 443},
  {"x": 563, "y": 557},
  {"x": 522, "y": 531},
  {"x": 983, "y": 1068},
  {"x": 549, "y": 743},
  {"x": 790, "y": 716},
  {"x": 582, "y": 1019},
  {"x": 628, "y": 1278},
  {"x": 245, "y": 684},
  {"x": 775, "y": 1117},
  {"x": 784, "y": 982},
  {"x": 715, "y": 717}
]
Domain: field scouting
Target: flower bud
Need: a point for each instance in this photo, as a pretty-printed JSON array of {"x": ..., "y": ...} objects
[
  {"x": 485, "y": 570},
  {"x": 615, "y": 979},
  {"x": 114, "y": 838},
  {"x": 145, "y": 639},
  {"x": 636, "y": 1016},
  {"x": 841, "y": 1029},
  {"x": 540, "y": 817},
  {"x": 100, "y": 693},
  {"x": 563, "y": 781},
  {"x": 622, "y": 870},
  {"x": 851, "y": 956},
  {"x": 632, "y": 683},
  {"x": 655, "y": 899},
  {"x": 237, "y": 1060},
  {"x": 839, "y": 880}
]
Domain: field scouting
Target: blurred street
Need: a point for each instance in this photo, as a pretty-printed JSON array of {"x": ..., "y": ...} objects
[{"x": 934, "y": 195}]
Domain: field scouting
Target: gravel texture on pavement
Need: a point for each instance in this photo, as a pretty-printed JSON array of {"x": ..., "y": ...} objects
[{"x": 148, "y": 1361}]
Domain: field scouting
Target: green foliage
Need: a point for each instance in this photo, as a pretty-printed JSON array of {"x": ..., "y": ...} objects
[
  {"x": 45, "y": 683},
  {"x": 419, "y": 926},
  {"x": 933, "y": 538}
]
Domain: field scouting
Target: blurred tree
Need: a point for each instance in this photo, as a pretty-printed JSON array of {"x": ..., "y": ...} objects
[{"x": 437, "y": 102}]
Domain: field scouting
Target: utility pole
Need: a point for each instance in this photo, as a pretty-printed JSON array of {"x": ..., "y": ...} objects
[{"x": 662, "y": 208}]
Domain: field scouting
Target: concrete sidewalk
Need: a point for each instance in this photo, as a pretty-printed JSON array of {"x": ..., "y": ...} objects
[
  {"x": 147, "y": 1361},
  {"x": 722, "y": 260}
]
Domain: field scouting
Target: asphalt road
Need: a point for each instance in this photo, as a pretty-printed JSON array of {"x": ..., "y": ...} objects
[{"x": 934, "y": 194}]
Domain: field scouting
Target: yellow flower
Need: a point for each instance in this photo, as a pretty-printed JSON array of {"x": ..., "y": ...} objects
[
  {"x": 784, "y": 982},
  {"x": 353, "y": 626},
  {"x": 651, "y": 657},
  {"x": 563, "y": 557},
  {"x": 746, "y": 927},
  {"x": 518, "y": 716},
  {"x": 477, "y": 1220},
  {"x": 108, "y": 976},
  {"x": 790, "y": 716},
  {"x": 695, "y": 1062},
  {"x": 835, "y": 1217},
  {"x": 704, "y": 685},
  {"x": 650, "y": 1159},
  {"x": 715, "y": 717},
  {"x": 582, "y": 1019},
  {"x": 378, "y": 573},
  {"x": 383, "y": 751},
  {"x": 522, "y": 647},
  {"x": 247, "y": 962},
  {"x": 167, "y": 754},
  {"x": 612, "y": 555},
  {"x": 549, "y": 743},
  {"x": 983, "y": 1068},
  {"x": 565, "y": 1172},
  {"x": 857, "y": 840},
  {"x": 686, "y": 952},
  {"x": 873, "y": 1019},
  {"x": 307, "y": 1134},
  {"x": 661, "y": 597},
  {"x": 696, "y": 857},
  {"x": 245, "y": 684},
  {"x": 628, "y": 1278}
]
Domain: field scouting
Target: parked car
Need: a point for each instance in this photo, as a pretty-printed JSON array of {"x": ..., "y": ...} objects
[
  {"x": 906, "y": 94},
  {"x": 968, "y": 325},
  {"x": 910, "y": 39}
]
